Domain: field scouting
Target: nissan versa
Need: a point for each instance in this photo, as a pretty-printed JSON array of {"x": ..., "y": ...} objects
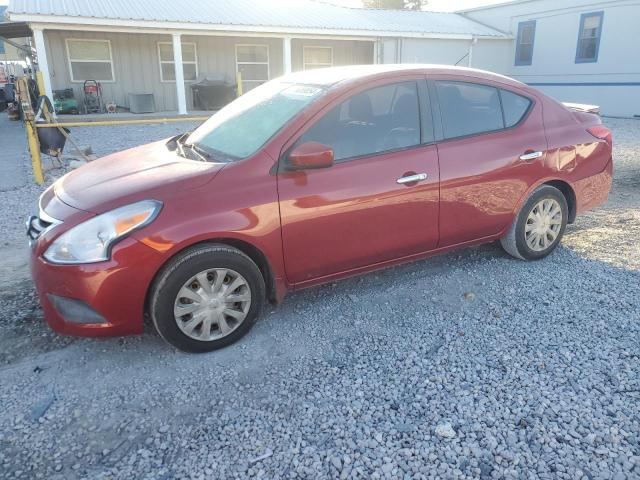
[{"x": 308, "y": 178}]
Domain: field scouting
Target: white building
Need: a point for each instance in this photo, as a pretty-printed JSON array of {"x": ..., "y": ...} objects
[
  {"x": 163, "y": 47},
  {"x": 582, "y": 51}
]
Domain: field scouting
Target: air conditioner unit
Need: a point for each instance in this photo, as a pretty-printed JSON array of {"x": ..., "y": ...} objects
[{"x": 142, "y": 103}]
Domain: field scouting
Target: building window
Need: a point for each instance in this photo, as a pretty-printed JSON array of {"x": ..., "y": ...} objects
[
  {"x": 252, "y": 62},
  {"x": 589, "y": 37},
  {"x": 317, "y": 57},
  {"x": 524, "y": 45},
  {"x": 167, "y": 66},
  {"x": 90, "y": 60}
]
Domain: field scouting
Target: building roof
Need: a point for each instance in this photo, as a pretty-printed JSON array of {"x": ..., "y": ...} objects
[
  {"x": 11, "y": 29},
  {"x": 14, "y": 30},
  {"x": 280, "y": 16}
]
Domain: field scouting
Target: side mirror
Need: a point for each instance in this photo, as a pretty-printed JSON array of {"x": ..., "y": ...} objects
[{"x": 310, "y": 155}]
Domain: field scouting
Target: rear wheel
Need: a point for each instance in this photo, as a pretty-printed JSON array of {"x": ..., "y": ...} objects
[
  {"x": 539, "y": 226},
  {"x": 207, "y": 298}
]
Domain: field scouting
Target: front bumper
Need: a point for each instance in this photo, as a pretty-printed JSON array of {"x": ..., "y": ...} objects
[{"x": 115, "y": 290}]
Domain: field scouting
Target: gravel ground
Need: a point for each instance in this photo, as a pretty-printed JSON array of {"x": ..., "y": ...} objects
[{"x": 467, "y": 365}]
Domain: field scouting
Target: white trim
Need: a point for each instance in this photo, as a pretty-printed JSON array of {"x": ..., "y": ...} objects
[
  {"x": 185, "y": 28},
  {"x": 43, "y": 64},
  {"x": 286, "y": 55},
  {"x": 69, "y": 60},
  {"x": 190, "y": 62},
  {"x": 317, "y": 65},
  {"x": 254, "y": 63},
  {"x": 203, "y": 33},
  {"x": 181, "y": 95}
]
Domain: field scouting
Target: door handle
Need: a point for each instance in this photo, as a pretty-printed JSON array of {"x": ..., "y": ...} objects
[
  {"x": 530, "y": 156},
  {"x": 412, "y": 178}
]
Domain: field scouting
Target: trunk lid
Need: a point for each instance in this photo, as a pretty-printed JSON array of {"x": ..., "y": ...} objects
[
  {"x": 587, "y": 115},
  {"x": 582, "y": 107}
]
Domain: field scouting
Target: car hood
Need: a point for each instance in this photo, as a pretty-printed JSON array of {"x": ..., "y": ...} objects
[{"x": 149, "y": 171}]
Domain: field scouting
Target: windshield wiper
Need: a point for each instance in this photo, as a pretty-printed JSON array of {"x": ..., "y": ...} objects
[
  {"x": 204, "y": 156},
  {"x": 180, "y": 144}
]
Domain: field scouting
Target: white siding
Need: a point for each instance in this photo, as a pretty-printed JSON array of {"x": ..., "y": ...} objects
[
  {"x": 438, "y": 51},
  {"x": 137, "y": 68},
  {"x": 613, "y": 82},
  {"x": 487, "y": 54},
  {"x": 135, "y": 63},
  {"x": 344, "y": 52},
  {"x": 492, "y": 55}
]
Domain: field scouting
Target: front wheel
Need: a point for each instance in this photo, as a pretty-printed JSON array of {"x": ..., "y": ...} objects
[
  {"x": 207, "y": 298},
  {"x": 539, "y": 226}
]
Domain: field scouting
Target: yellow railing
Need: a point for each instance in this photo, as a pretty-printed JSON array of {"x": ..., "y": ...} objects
[
  {"x": 31, "y": 126},
  {"x": 103, "y": 123}
]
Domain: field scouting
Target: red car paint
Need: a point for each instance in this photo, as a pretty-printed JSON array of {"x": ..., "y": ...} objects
[{"x": 314, "y": 226}]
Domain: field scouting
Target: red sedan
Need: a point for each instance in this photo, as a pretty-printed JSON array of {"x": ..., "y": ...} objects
[{"x": 309, "y": 178}]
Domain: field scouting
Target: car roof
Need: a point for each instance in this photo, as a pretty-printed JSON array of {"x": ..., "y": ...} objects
[{"x": 328, "y": 77}]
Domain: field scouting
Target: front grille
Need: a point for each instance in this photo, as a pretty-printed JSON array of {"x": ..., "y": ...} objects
[{"x": 36, "y": 226}]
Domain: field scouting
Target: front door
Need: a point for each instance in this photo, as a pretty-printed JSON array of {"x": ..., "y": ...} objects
[{"x": 378, "y": 202}]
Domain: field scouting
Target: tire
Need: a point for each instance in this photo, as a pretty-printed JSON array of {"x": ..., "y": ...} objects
[
  {"x": 516, "y": 242},
  {"x": 183, "y": 274}
]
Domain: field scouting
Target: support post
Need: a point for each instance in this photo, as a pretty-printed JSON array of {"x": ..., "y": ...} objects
[
  {"x": 28, "y": 116},
  {"x": 376, "y": 51},
  {"x": 42, "y": 88},
  {"x": 34, "y": 149},
  {"x": 470, "y": 57},
  {"x": 286, "y": 55},
  {"x": 43, "y": 64},
  {"x": 179, "y": 73},
  {"x": 239, "y": 85}
]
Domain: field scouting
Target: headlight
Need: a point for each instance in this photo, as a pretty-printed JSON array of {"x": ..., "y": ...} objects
[{"x": 91, "y": 241}]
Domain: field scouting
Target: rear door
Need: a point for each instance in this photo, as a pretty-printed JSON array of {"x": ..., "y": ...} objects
[
  {"x": 492, "y": 148},
  {"x": 362, "y": 210}
]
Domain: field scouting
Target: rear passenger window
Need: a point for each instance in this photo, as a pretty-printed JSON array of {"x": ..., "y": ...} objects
[
  {"x": 377, "y": 120},
  {"x": 468, "y": 108},
  {"x": 515, "y": 107}
]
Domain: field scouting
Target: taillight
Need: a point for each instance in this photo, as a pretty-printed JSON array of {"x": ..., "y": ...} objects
[{"x": 601, "y": 132}]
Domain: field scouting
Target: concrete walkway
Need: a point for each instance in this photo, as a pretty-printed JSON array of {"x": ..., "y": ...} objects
[{"x": 14, "y": 154}]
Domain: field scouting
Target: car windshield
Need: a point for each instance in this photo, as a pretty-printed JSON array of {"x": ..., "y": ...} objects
[{"x": 246, "y": 124}]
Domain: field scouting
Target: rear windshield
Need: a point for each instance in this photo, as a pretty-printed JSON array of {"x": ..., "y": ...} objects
[{"x": 246, "y": 124}]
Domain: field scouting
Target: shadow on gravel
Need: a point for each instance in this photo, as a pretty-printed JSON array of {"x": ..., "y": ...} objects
[
  {"x": 23, "y": 329},
  {"x": 449, "y": 283}
]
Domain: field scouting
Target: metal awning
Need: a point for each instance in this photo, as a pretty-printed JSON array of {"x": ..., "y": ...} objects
[{"x": 15, "y": 30}]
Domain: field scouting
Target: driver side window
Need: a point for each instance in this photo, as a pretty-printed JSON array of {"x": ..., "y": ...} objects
[{"x": 378, "y": 120}]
